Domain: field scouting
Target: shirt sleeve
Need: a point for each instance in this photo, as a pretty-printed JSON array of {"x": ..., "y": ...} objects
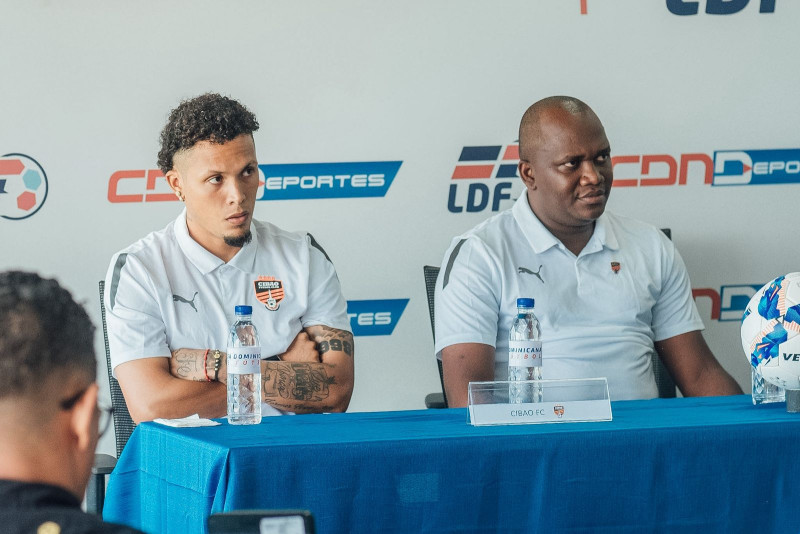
[
  {"x": 135, "y": 327},
  {"x": 467, "y": 300},
  {"x": 675, "y": 312},
  {"x": 326, "y": 305}
]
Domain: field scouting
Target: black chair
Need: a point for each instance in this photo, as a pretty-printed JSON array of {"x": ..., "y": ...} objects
[
  {"x": 123, "y": 428},
  {"x": 664, "y": 382},
  {"x": 434, "y": 400},
  {"x": 258, "y": 521}
]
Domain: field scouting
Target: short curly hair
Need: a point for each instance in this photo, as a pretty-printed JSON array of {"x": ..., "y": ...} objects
[
  {"x": 45, "y": 334},
  {"x": 209, "y": 117}
]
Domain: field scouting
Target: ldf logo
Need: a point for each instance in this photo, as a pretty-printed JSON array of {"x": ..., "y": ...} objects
[
  {"x": 23, "y": 186},
  {"x": 328, "y": 180},
  {"x": 756, "y": 167},
  {"x": 716, "y": 7},
  {"x": 483, "y": 163},
  {"x": 375, "y": 317},
  {"x": 730, "y": 302}
]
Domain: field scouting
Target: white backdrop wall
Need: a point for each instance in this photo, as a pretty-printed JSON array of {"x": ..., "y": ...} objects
[{"x": 86, "y": 87}]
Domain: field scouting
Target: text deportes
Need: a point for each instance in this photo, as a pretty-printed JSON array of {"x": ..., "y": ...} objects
[{"x": 331, "y": 181}]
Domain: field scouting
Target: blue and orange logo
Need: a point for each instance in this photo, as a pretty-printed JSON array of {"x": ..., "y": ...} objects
[
  {"x": 469, "y": 191},
  {"x": 284, "y": 181},
  {"x": 23, "y": 186}
]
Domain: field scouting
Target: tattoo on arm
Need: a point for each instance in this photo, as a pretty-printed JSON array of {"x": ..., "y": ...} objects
[
  {"x": 296, "y": 381},
  {"x": 186, "y": 366},
  {"x": 328, "y": 338}
]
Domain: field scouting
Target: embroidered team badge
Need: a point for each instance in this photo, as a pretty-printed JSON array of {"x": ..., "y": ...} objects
[
  {"x": 269, "y": 291},
  {"x": 615, "y": 266}
]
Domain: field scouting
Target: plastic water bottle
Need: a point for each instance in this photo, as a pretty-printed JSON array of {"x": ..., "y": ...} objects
[
  {"x": 525, "y": 354},
  {"x": 244, "y": 370}
]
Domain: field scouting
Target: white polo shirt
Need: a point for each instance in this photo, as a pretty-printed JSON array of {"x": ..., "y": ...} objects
[
  {"x": 600, "y": 312},
  {"x": 167, "y": 292}
]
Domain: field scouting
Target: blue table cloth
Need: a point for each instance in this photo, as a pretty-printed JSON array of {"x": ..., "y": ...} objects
[{"x": 662, "y": 465}]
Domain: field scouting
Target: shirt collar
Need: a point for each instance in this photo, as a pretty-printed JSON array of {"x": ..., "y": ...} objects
[
  {"x": 206, "y": 261},
  {"x": 540, "y": 238}
]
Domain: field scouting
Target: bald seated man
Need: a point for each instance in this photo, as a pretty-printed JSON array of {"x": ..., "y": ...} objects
[
  {"x": 609, "y": 290},
  {"x": 49, "y": 418}
]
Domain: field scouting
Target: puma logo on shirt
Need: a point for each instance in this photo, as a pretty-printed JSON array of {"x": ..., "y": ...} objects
[
  {"x": 178, "y": 298},
  {"x": 528, "y": 271}
]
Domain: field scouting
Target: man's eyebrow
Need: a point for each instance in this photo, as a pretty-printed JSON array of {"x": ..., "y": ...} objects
[{"x": 251, "y": 163}]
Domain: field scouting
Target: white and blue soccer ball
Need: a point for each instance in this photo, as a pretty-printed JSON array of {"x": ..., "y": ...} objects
[{"x": 771, "y": 331}]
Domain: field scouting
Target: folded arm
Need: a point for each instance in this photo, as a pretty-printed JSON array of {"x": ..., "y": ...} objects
[
  {"x": 315, "y": 374},
  {"x": 694, "y": 368},
  {"x": 152, "y": 392}
]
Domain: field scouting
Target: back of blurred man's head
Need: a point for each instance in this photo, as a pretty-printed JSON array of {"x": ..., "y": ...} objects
[{"x": 48, "y": 394}]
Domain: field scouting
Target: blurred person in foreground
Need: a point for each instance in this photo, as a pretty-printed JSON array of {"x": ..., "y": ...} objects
[{"x": 49, "y": 415}]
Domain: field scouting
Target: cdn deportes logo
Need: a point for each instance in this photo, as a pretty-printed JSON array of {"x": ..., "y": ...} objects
[
  {"x": 375, "y": 317},
  {"x": 729, "y": 303},
  {"x": 292, "y": 181},
  {"x": 23, "y": 186},
  {"x": 726, "y": 167}
]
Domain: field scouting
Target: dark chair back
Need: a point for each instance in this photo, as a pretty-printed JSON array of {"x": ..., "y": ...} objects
[
  {"x": 664, "y": 381},
  {"x": 431, "y": 273},
  {"x": 257, "y": 521},
  {"x": 123, "y": 424}
]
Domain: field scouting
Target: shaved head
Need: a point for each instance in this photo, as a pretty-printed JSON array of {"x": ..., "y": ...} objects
[{"x": 530, "y": 127}]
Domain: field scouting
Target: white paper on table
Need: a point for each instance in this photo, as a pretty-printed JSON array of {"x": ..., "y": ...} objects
[{"x": 192, "y": 420}]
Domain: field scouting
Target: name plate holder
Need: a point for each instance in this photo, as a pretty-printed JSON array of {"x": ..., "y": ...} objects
[{"x": 553, "y": 401}]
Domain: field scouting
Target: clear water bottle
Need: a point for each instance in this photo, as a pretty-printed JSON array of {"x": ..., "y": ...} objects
[
  {"x": 244, "y": 370},
  {"x": 525, "y": 354}
]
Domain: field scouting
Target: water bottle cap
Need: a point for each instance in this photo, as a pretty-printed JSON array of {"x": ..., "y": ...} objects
[
  {"x": 525, "y": 303},
  {"x": 244, "y": 310}
]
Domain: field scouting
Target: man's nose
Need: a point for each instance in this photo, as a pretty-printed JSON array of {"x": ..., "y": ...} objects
[
  {"x": 235, "y": 192},
  {"x": 591, "y": 174}
]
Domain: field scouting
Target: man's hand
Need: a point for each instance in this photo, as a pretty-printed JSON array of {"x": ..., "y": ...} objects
[{"x": 302, "y": 349}]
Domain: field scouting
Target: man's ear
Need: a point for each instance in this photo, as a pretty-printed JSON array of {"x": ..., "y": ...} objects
[
  {"x": 526, "y": 173},
  {"x": 84, "y": 419},
  {"x": 174, "y": 181}
]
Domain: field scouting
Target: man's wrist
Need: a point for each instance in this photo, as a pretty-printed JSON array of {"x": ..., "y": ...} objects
[{"x": 214, "y": 365}]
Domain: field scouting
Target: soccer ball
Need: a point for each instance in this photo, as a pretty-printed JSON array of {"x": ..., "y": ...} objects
[{"x": 771, "y": 331}]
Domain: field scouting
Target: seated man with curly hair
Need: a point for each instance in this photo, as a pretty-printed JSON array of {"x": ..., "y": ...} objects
[{"x": 170, "y": 296}]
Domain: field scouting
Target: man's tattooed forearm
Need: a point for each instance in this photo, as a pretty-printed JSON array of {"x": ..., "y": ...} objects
[
  {"x": 296, "y": 381},
  {"x": 186, "y": 364},
  {"x": 328, "y": 338}
]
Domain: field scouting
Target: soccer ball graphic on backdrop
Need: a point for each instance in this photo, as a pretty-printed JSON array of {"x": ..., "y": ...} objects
[
  {"x": 23, "y": 186},
  {"x": 771, "y": 331}
]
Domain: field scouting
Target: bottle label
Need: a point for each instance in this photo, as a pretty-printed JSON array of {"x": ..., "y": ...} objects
[
  {"x": 526, "y": 353},
  {"x": 244, "y": 360}
]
